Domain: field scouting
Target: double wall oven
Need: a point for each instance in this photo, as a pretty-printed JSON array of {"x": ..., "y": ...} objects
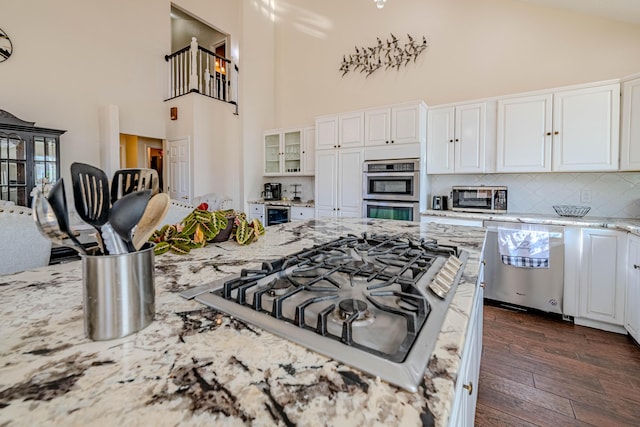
[{"x": 391, "y": 189}]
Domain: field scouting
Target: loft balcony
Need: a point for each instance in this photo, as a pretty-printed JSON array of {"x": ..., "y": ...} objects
[{"x": 197, "y": 69}]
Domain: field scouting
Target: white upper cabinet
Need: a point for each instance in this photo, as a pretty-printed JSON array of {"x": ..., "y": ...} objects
[
  {"x": 456, "y": 139},
  {"x": 524, "y": 139},
  {"x": 586, "y": 129},
  {"x": 395, "y": 132},
  {"x": 564, "y": 131},
  {"x": 630, "y": 137},
  {"x": 351, "y": 130},
  {"x": 309, "y": 151},
  {"x": 286, "y": 152},
  {"x": 340, "y": 131}
]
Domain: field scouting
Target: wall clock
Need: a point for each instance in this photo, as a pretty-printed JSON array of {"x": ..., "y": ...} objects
[{"x": 6, "y": 48}]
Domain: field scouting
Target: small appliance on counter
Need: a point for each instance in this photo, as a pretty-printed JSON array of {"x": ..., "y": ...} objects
[
  {"x": 272, "y": 191},
  {"x": 479, "y": 199},
  {"x": 440, "y": 203}
]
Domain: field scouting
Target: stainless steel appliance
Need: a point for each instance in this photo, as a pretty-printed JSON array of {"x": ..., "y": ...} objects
[
  {"x": 539, "y": 288},
  {"x": 375, "y": 302},
  {"x": 272, "y": 191},
  {"x": 404, "y": 211},
  {"x": 277, "y": 214},
  {"x": 439, "y": 203},
  {"x": 479, "y": 199},
  {"x": 391, "y": 189}
]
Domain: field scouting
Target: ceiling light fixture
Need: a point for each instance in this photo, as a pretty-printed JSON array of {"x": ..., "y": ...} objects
[{"x": 380, "y": 3}]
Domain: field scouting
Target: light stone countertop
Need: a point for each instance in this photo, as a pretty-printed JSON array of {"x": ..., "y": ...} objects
[
  {"x": 301, "y": 203},
  {"x": 195, "y": 366},
  {"x": 631, "y": 225}
]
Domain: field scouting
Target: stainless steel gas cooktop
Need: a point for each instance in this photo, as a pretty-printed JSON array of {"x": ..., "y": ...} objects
[{"x": 374, "y": 302}]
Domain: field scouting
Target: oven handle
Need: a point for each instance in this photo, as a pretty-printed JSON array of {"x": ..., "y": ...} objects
[
  {"x": 276, "y": 207},
  {"x": 391, "y": 174},
  {"x": 397, "y": 204}
]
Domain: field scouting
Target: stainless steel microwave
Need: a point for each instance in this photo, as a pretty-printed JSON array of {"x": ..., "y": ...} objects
[{"x": 479, "y": 199}]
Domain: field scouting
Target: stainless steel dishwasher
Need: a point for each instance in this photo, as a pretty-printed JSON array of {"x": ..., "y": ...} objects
[{"x": 539, "y": 288}]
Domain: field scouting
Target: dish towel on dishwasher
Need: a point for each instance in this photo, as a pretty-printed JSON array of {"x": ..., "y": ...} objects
[{"x": 524, "y": 248}]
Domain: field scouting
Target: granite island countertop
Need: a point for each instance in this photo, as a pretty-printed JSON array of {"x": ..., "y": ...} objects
[
  {"x": 290, "y": 203},
  {"x": 631, "y": 225},
  {"x": 195, "y": 366}
]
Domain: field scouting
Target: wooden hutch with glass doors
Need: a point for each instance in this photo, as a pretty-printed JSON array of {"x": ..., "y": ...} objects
[{"x": 29, "y": 157}]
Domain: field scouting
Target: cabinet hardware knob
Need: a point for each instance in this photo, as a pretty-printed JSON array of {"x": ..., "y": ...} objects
[
  {"x": 339, "y": 145},
  {"x": 457, "y": 140},
  {"x": 386, "y": 142},
  {"x": 451, "y": 140},
  {"x": 335, "y": 146},
  {"x": 484, "y": 262},
  {"x": 556, "y": 132},
  {"x": 392, "y": 142},
  {"x": 636, "y": 266},
  {"x": 482, "y": 285},
  {"x": 185, "y": 197},
  {"x": 468, "y": 387},
  {"x": 548, "y": 133}
]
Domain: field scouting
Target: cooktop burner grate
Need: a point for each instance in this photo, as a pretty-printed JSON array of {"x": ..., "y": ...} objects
[{"x": 369, "y": 297}]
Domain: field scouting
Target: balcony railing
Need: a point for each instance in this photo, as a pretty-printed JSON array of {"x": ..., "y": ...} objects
[{"x": 196, "y": 69}]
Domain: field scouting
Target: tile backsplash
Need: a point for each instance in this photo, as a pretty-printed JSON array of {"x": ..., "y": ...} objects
[
  {"x": 613, "y": 194},
  {"x": 305, "y": 191}
]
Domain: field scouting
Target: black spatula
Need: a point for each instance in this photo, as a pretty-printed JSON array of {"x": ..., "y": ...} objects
[{"x": 91, "y": 196}]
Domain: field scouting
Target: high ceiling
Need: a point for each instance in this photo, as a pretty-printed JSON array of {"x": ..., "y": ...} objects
[{"x": 619, "y": 10}]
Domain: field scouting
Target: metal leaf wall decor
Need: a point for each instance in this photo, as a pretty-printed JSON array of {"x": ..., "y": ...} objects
[{"x": 389, "y": 54}]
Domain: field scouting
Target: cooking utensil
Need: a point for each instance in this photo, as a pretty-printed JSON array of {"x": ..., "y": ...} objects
[
  {"x": 126, "y": 213},
  {"x": 58, "y": 200},
  {"x": 112, "y": 242},
  {"x": 91, "y": 196},
  {"x": 152, "y": 217},
  {"x": 47, "y": 222},
  {"x": 126, "y": 181}
]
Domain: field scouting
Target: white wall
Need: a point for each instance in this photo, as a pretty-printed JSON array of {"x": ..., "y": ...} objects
[{"x": 477, "y": 49}]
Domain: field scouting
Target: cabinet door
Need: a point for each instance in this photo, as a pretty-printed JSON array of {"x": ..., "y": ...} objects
[
  {"x": 272, "y": 153},
  {"x": 466, "y": 391},
  {"x": 440, "y": 129},
  {"x": 326, "y": 132},
  {"x": 326, "y": 182},
  {"x": 630, "y": 138},
  {"x": 407, "y": 124},
  {"x": 309, "y": 151},
  {"x": 377, "y": 127},
  {"x": 256, "y": 211},
  {"x": 602, "y": 275},
  {"x": 299, "y": 213},
  {"x": 524, "y": 134},
  {"x": 350, "y": 182},
  {"x": 469, "y": 138},
  {"x": 586, "y": 125},
  {"x": 632, "y": 311},
  {"x": 351, "y": 130},
  {"x": 291, "y": 150}
]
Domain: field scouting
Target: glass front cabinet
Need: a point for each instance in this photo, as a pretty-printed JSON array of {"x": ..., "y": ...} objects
[
  {"x": 283, "y": 151},
  {"x": 29, "y": 157}
]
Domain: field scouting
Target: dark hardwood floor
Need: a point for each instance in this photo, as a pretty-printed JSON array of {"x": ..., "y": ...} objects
[{"x": 538, "y": 370}]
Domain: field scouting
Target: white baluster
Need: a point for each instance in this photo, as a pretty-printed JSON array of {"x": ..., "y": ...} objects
[
  {"x": 193, "y": 78},
  {"x": 207, "y": 78}
]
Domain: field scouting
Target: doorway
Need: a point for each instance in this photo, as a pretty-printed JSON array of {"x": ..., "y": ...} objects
[{"x": 155, "y": 161}]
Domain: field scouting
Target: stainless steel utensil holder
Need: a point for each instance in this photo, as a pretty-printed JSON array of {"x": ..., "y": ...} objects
[{"x": 118, "y": 293}]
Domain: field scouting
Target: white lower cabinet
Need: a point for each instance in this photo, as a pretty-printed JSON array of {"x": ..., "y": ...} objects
[
  {"x": 301, "y": 213},
  {"x": 602, "y": 279},
  {"x": 632, "y": 311},
  {"x": 466, "y": 392},
  {"x": 339, "y": 182},
  {"x": 256, "y": 210}
]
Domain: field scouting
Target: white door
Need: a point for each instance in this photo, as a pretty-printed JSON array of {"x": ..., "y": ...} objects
[
  {"x": 351, "y": 130},
  {"x": 350, "y": 182},
  {"x": 470, "y": 138},
  {"x": 630, "y": 148},
  {"x": 326, "y": 182},
  {"x": 180, "y": 170},
  {"x": 405, "y": 124},
  {"x": 377, "y": 127},
  {"x": 524, "y": 134},
  {"x": 632, "y": 312},
  {"x": 440, "y": 130},
  {"x": 586, "y": 129}
]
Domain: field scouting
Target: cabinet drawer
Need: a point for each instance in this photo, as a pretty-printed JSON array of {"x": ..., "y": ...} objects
[{"x": 301, "y": 213}]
